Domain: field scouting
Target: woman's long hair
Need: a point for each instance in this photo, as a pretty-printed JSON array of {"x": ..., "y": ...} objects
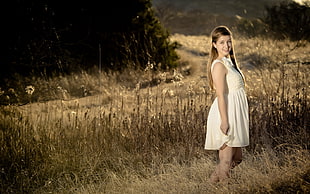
[{"x": 215, "y": 35}]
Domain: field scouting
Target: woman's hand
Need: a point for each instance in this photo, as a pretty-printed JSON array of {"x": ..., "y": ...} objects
[{"x": 224, "y": 127}]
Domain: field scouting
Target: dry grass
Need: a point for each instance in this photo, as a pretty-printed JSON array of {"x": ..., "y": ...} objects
[
  {"x": 261, "y": 173},
  {"x": 141, "y": 132}
]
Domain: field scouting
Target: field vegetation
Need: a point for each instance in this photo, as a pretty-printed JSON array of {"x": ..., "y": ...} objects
[{"x": 143, "y": 132}]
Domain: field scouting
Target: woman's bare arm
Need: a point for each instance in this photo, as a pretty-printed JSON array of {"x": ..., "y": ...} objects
[{"x": 219, "y": 79}]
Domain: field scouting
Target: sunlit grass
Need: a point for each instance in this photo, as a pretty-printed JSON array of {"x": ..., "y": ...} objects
[{"x": 143, "y": 132}]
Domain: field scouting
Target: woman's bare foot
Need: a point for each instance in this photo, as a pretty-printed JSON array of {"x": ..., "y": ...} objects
[
  {"x": 214, "y": 178},
  {"x": 235, "y": 163}
]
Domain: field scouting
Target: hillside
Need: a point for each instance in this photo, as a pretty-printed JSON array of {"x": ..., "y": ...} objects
[
  {"x": 196, "y": 17},
  {"x": 138, "y": 137}
]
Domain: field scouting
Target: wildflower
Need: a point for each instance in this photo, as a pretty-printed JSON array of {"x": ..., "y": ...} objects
[
  {"x": 138, "y": 86},
  {"x": 29, "y": 89},
  {"x": 177, "y": 76},
  {"x": 84, "y": 90},
  {"x": 149, "y": 66},
  {"x": 163, "y": 76},
  {"x": 169, "y": 92},
  {"x": 11, "y": 90},
  {"x": 165, "y": 90},
  {"x": 63, "y": 93}
]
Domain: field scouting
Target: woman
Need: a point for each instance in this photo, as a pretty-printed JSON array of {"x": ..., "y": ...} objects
[{"x": 228, "y": 119}]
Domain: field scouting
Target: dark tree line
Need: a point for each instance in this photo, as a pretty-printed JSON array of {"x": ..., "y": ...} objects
[{"x": 65, "y": 35}]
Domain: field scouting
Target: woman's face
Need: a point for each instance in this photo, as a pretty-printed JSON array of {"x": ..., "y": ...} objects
[{"x": 223, "y": 46}]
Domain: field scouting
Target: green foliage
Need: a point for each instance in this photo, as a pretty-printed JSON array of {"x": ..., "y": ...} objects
[{"x": 289, "y": 20}]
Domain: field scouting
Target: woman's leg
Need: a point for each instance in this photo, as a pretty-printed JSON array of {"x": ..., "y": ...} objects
[
  {"x": 214, "y": 176},
  {"x": 226, "y": 156},
  {"x": 237, "y": 158},
  {"x": 221, "y": 172}
]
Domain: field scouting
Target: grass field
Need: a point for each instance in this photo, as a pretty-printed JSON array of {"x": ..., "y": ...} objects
[{"x": 143, "y": 132}]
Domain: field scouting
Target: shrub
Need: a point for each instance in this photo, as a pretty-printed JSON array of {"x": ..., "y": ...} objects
[
  {"x": 289, "y": 20},
  {"x": 250, "y": 27}
]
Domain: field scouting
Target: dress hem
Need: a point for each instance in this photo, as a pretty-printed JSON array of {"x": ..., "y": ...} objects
[{"x": 228, "y": 146}]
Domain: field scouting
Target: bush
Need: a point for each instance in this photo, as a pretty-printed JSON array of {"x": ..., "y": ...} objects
[
  {"x": 289, "y": 20},
  {"x": 250, "y": 27}
]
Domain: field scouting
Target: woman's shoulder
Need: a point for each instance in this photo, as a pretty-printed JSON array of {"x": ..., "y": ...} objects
[
  {"x": 215, "y": 62},
  {"x": 218, "y": 61}
]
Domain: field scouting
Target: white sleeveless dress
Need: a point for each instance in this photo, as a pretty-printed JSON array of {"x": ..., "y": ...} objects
[{"x": 238, "y": 116}]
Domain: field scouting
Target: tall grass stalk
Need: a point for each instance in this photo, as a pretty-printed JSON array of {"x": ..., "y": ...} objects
[{"x": 146, "y": 134}]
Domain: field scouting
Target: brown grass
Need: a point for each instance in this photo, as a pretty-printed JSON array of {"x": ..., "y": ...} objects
[{"x": 141, "y": 132}]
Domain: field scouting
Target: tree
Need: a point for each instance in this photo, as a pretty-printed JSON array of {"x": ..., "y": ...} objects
[{"x": 43, "y": 35}]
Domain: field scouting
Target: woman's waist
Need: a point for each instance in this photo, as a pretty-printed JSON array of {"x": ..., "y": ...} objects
[
  {"x": 238, "y": 92},
  {"x": 232, "y": 90}
]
